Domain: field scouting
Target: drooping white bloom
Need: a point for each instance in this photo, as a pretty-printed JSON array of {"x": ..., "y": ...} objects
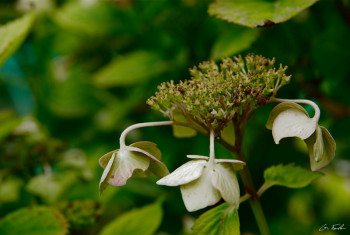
[
  {"x": 203, "y": 184},
  {"x": 134, "y": 160},
  {"x": 291, "y": 120}
]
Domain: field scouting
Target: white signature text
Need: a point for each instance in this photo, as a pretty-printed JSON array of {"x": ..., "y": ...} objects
[{"x": 326, "y": 227}]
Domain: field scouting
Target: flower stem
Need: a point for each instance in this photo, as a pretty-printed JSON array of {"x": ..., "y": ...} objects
[
  {"x": 302, "y": 101},
  {"x": 244, "y": 198},
  {"x": 247, "y": 180},
  {"x": 263, "y": 188},
  {"x": 211, "y": 162},
  {"x": 139, "y": 125}
]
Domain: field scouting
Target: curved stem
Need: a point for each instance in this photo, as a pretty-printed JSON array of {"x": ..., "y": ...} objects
[
  {"x": 302, "y": 101},
  {"x": 263, "y": 188},
  {"x": 244, "y": 198},
  {"x": 139, "y": 125}
]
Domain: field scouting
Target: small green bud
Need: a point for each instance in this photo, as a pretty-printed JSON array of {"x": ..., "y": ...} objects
[{"x": 80, "y": 213}]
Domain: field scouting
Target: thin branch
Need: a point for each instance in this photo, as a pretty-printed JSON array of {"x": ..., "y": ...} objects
[{"x": 244, "y": 198}]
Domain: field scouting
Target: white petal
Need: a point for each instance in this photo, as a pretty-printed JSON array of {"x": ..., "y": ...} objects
[
  {"x": 200, "y": 193},
  {"x": 126, "y": 163},
  {"x": 103, "y": 161},
  {"x": 236, "y": 164},
  {"x": 224, "y": 179},
  {"x": 293, "y": 123},
  {"x": 144, "y": 152},
  {"x": 186, "y": 173},
  {"x": 198, "y": 157},
  {"x": 108, "y": 168}
]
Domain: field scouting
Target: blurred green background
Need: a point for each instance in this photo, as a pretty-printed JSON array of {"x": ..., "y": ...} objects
[{"x": 85, "y": 71}]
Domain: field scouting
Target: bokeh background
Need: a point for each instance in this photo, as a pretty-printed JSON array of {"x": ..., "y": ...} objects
[{"x": 84, "y": 74}]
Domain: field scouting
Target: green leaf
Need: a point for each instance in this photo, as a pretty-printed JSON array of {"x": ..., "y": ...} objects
[
  {"x": 279, "y": 109},
  {"x": 90, "y": 20},
  {"x": 182, "y": 131},
  {"x": 233, "y": 42},
  {"x": 133, "y": 68},
  {"x": 321, "y": 146},
  {"x": 289, "y": 176},
  {"x": 331, "y": 42},
  {"x": 221, "y": 220},
  {"x": 228, "y": 134},
  {"x": 67, "y": 95},
  {"x": 33, "y": 221},
  {"x": 8, "y": 124},
  {"x": 13, "y": 34},
  {"x": 50, "y": 188},
  {"x": 10, "y": 189},
  {"x": 258, "y": 12},
  {"x": 143, "y": 221},
  {"x": 155, "y": 167}
]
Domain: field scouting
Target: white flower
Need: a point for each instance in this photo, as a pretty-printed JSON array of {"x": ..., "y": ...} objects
[
  {"x": 203, "y": 184},
  {"x": 133, "y": 160},
  {"x": 290, "y": 120}
]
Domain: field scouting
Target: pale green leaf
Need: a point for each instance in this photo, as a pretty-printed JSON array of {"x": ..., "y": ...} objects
[
  {"x": 103, "y": 161},
  {"x": 258, "y": 12},
  {"x": 182, "y": 131},
  {"x": 155, "y": 167},
  {"x": 143, "y": 221},
  {"x": 149, "y": 147},
  {"x": 90, "y": 20},
  {"x": 133, "y": 68},
  {"x": 13, "y": 34},
  {"x": 7, "y": 126},
  {"x": 321, "y": 146},
  {"x": 233, "y": 42},
  {"x": 289, "y": 176},
  {"x": 33, "y": 221},
  {"x": 10, "y": 189},
  {"x": 49, "y": 187},
  {"x": 69, "y": 91},
  {"x": 228, "y": 133},
  {"x": 280, "y": 108},
  {"x": 74, "y": 159},
  {"x": 221, "y": 220}
]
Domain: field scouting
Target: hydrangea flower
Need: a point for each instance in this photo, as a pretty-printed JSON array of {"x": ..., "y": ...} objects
[
  {"x": 204, "y": 183},
  {"x": 136, "y": 160},
  {"x": 289, "y": 119}
]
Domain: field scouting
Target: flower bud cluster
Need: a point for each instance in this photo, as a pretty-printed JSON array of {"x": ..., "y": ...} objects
[
  {"x": 216, "y": 93},
  {"x": 80, "y": 213}
]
